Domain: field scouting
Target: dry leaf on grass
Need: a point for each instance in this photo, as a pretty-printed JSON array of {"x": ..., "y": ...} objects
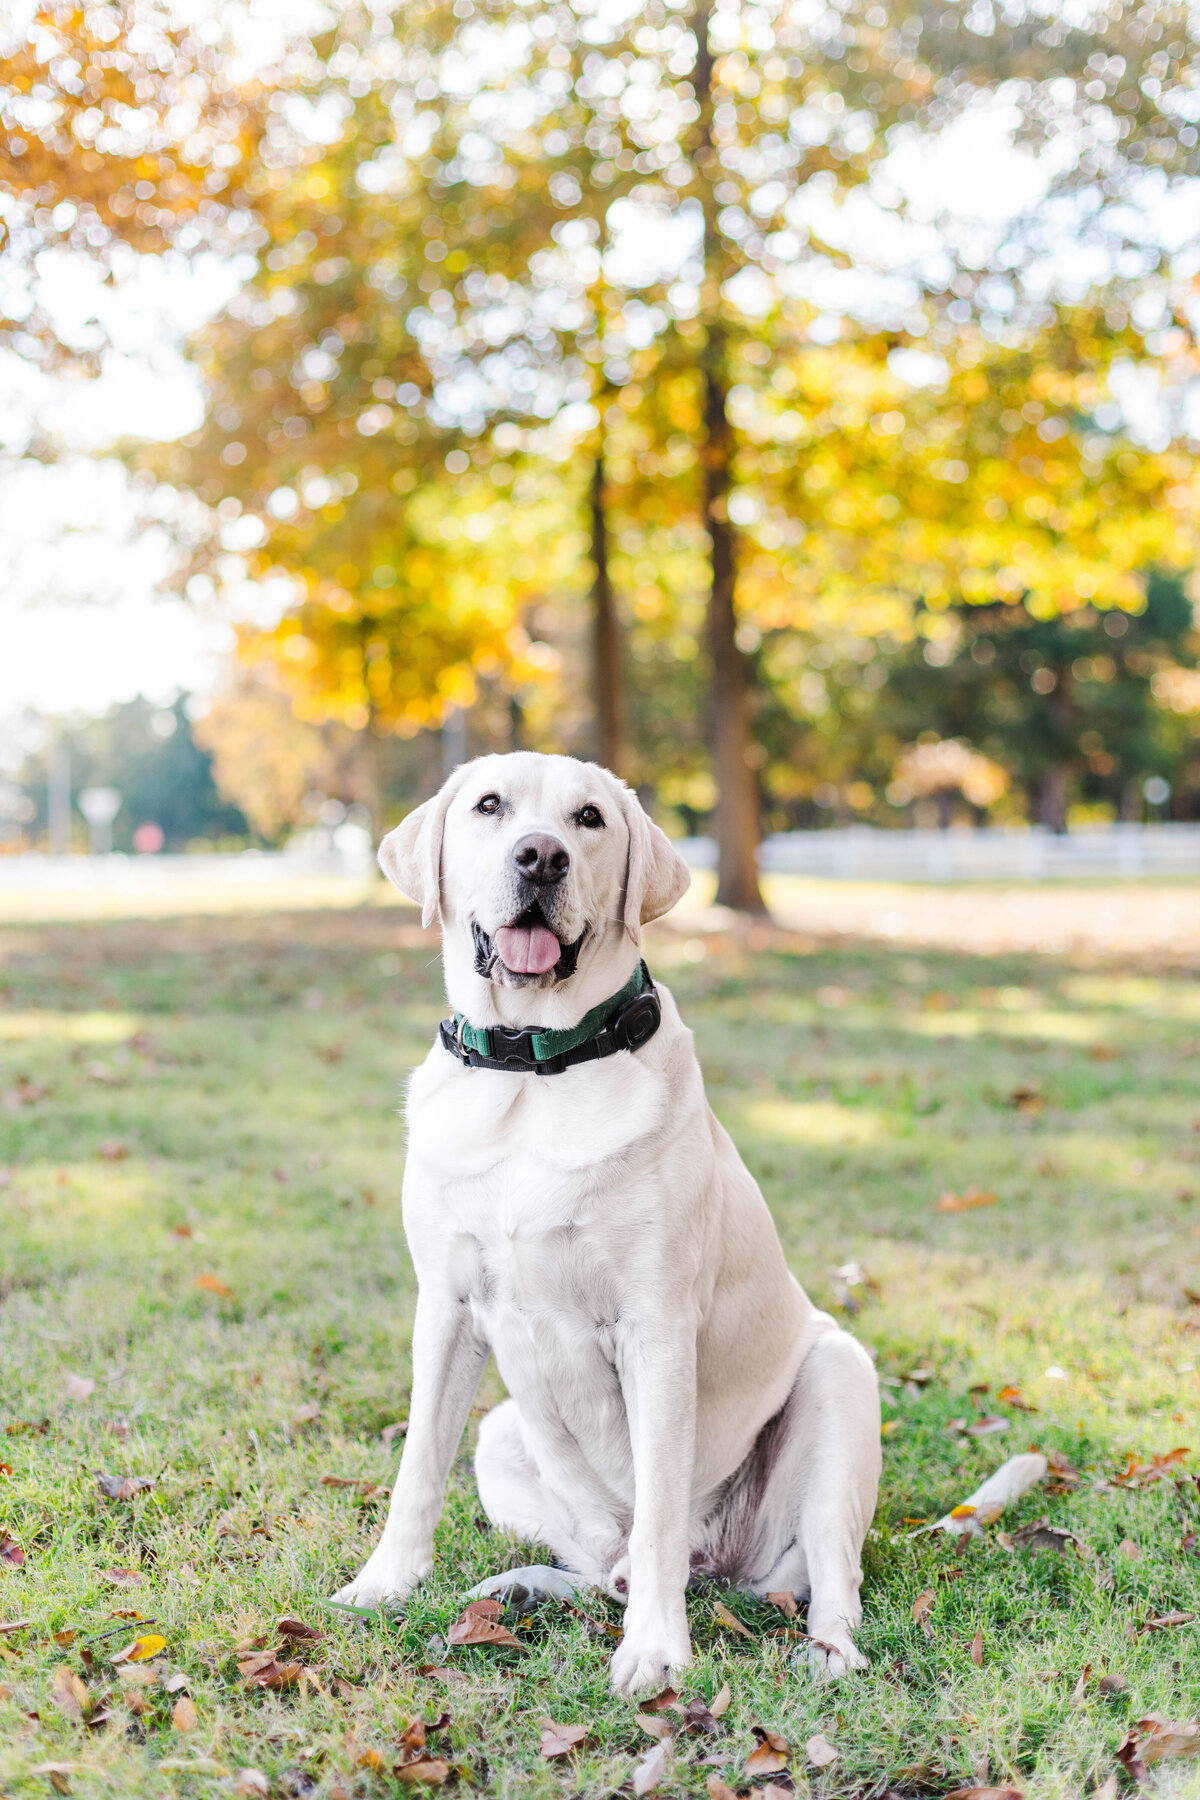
[
  {"x": 720, "y": 1790},
  {"x": 306, "y": 1414},
  {"x": 820, "y": 1752},
  {"x": 1128, "y": 1548},
  {"x": 1137, "y": 1473},
  {"x": 1155, "y": 1739},
  {"x": 252, "y": 1784},
  {"x": 69, "y": 1696},
  {"x": 730, "y": 1620},
  {"x": 653, "y": 1768},
  {"x": 121, "y": 1578},
  {"x": 770, "y": 1752},
  {"x": 184, "y": 1716},
  {"x": 296, "y": 1628},
  {"x": 11, "y": 1554},
  {"x": 786, "y": 1604},
  {"x": 426, "y": 1771},
  {"x": 8, "y": 1626},
  {"x": 922, "y": 1606},
  {"x": 968, "y": 1201},
  {"x": 1027, "y": 1099},
  {"x": 1165, "y": 1621},
  {"x": 1042, "y": 1535},
  {"x": 123, "y": 1487},
  {"x": 560, "y": 1740},
  {"x": 58, "y": 1774},
  {"x": 986, "y": 1793},
  {"x": 79, "y": 1387},
  {"x": 212, "y": 1284},
  {"x": 1079, "y": 1691},
  {"x": 479, "y": 1624},
  {"x": 720, "y": 1701},
  {"x": 266, "y": 1672},
  {"x": 141, "y": 1649},
  {"x": 1012, "y": 1396},
  {"x": 977, "y": 1649},
  {"x": 988, "y": 1426},
  {"x": 112, "y": 1150}
]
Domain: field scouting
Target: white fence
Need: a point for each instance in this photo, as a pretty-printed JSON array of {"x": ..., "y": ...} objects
[{"x": 860, "y": 852}]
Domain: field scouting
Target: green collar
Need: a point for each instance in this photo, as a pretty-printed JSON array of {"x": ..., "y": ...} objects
[{"x": 625, "y": 1021}]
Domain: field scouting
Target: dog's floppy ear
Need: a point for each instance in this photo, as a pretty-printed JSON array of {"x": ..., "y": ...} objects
[
  {"x": 411, "y": 855},
  {"x": 657, "y": 875}
]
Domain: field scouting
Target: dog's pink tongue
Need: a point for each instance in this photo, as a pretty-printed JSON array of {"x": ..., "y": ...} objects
[{"x": 527, "y": 949}]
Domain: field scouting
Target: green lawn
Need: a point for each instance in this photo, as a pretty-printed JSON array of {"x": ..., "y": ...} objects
[{"x": 200, "y": 1172}]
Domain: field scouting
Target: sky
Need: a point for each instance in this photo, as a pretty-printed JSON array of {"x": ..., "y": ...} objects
[{"x": 86, "y": 617}]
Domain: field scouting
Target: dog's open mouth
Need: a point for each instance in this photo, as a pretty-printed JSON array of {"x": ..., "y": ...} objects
[{"x": 527, "y": 948}]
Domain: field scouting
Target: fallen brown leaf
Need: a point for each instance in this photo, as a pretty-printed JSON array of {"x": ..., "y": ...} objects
[
  {"x": 8, "y": 1626},
  {"x": 1080, "y": 1689},
  {"x": 212, "y": 1284},
  {"x": 69, "y": 1696},
  {"x": 719, "y": 1705},
  {"x": 1012, "y": 1396},
  {"x": 659, "y": 1702},
  {"x": 58, "y": 1774},
  {"x": 1112, "y": 1684},
  {"x": 265, "y": 1672},
  {"x": 977, "y": 1649},
  {"x": 429, "y": 1771},
  {"x": 1164, "y": 1621},
  {"x": 1026, "y": 1099},
  {"x": 112, "y": 1150},
  {"x": 479, "y": 1624},
  {"x": 11, "y": 1554},
  {"x": 922, "y": 1606},
  {"x": 123, "y": 1487},
  {"x": 560, "y": 1740},
  {"x": 820, "y": 1752},
  {"x": 79, "y": 1387},
  {"x": 1155, "y": 1739},
  {"x": 1042, "y": 1535},
  {"x": 122, "y": 1578},
  {"x": 720, "y": 1790},
  {"x": 730, "y": 1620},
  {"x": 770, "y": 1753},
  {"x": 968, "y": 1201},
  {"x": 988, "y": 1426},
  {"x": 986, "y": 1793},
  {"x": 652, "y": 1769},
  {"x": 786, "y": 1604},
  {"x": 252, "y": 1784},
  {"x": 64, "y": 1639},
  {"x": 307, "y": 1413},
  {"x": 173, "y": 1684},
  {"x": 296, "y": 1628},
  {"x": 184, "y": 1716},
  {"x": 1128, "y": 1548}
]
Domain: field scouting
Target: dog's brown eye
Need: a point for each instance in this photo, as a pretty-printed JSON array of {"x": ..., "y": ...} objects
[
  {"x": 589, "y": 816},
  {"x": 489, "y": 804}
]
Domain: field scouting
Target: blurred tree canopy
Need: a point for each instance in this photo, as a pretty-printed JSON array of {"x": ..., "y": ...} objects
[{"x": 543, "y": 386}]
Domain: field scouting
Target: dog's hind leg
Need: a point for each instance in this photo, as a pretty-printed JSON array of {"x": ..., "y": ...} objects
[
  {"x": 516, "y": 1499},
  {"x": 819, "y": 1498}
]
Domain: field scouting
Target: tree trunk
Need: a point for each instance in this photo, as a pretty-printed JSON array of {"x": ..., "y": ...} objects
[
  {"x": 607, "y": 672},
  {"x": 737, "y": 787},
  {"x": 1053, "y": 799}
]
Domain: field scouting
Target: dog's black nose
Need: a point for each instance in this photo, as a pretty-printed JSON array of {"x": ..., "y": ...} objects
[{"x": 542, "y": 860}]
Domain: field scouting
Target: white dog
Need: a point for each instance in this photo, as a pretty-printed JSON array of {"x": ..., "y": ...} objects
[{"x": 677, "y": 1405}]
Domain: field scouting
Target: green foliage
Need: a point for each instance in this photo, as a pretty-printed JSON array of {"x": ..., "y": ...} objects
[{"x": 164, "y": 778}]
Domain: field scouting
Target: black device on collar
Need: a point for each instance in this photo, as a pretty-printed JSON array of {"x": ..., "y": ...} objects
[{"x": 625, "y": 1022}]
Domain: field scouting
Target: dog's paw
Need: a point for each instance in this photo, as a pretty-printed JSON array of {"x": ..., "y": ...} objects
[
  {"x": 648, "y": 1662},
  {"x": 525, "y": 1588},
  {"x": 831, "y": 1657},
  {"x": 382, "y": 1581}
]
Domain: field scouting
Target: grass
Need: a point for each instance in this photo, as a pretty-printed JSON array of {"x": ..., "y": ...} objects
[{"x": 213, "y": 1097}]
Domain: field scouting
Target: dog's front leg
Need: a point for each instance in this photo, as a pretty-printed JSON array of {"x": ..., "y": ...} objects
[
  {"x": 448, "y": 1359},
  {"x": 658, "y": 1378}
]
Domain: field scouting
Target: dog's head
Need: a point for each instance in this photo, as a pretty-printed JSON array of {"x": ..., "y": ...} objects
[{"x": 541, "y": 869}]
